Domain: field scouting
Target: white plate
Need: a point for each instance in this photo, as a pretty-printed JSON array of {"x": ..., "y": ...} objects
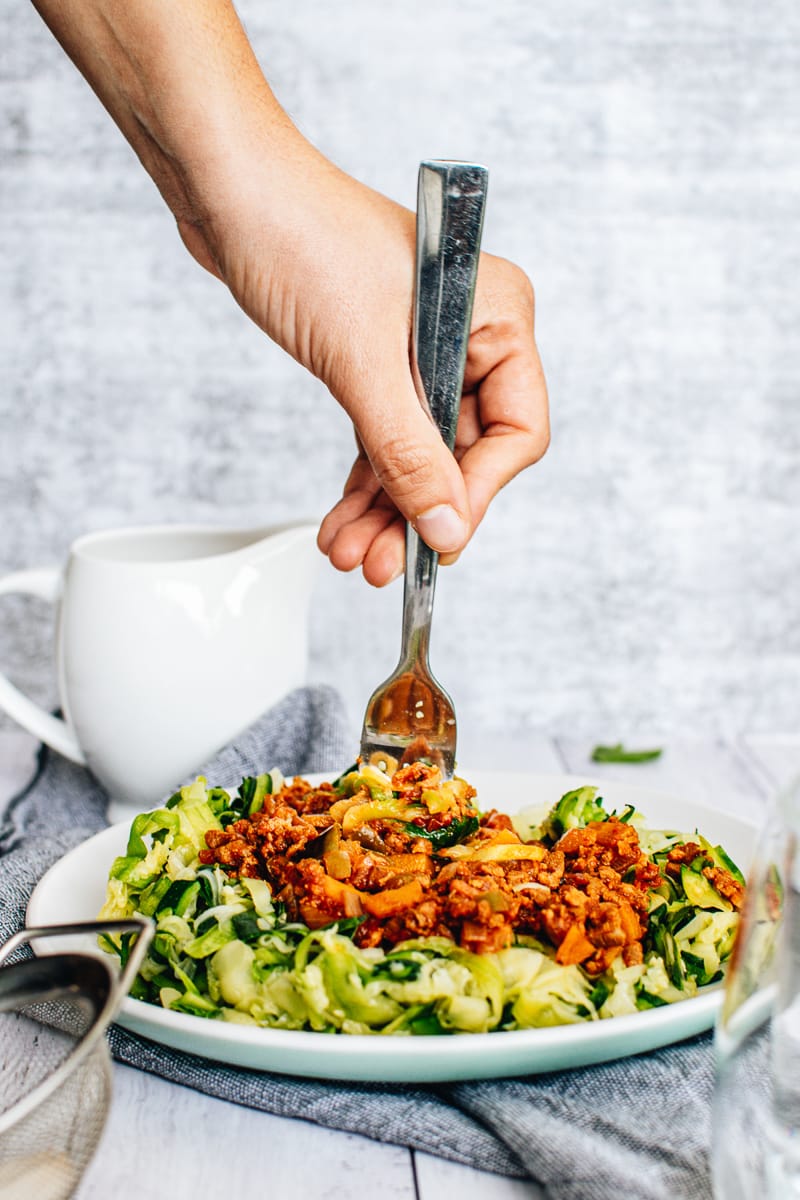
[{"x": 74, "y": 890}]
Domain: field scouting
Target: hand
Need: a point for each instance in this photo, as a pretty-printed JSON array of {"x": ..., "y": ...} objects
[
  {"x": 324, "y": 265},
  {"x": 503, "y": 427},
  {"x": 335, "y": 290}
]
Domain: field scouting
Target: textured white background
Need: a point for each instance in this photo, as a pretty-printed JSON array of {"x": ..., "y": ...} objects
[{"x": 645, "y": 171}]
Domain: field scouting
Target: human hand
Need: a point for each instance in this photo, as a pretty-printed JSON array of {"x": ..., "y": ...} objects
[
  {"x": 322, "y": 264},
  {"x": 503, "y": 427},
  {"x": 336, "y": 292}
]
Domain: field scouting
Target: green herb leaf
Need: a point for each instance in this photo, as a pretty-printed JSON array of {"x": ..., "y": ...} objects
[
  {"x": 446, "y": 835},
  {"x": 618, "y": 754}
]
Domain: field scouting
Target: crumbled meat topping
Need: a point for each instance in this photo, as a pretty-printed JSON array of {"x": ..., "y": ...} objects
[{"x": 588, "y": 895}]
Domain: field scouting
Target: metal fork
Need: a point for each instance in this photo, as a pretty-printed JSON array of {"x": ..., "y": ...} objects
[{"x": 411, "y": 716}]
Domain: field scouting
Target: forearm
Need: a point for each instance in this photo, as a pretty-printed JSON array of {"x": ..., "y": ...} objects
[{"x": 182, "y": 83}]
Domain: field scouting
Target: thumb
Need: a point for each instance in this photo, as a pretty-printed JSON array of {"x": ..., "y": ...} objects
[{"x": 414, "y": 466}]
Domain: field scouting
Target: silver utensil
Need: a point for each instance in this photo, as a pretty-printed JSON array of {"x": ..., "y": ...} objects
[{"x": 411, "y": 716}]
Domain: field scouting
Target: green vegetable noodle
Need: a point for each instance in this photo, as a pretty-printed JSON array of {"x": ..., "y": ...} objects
[{"x": 226, "y": 948}]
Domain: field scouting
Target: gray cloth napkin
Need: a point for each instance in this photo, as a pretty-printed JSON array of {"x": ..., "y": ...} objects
[{"x": 638, "y": 1127}]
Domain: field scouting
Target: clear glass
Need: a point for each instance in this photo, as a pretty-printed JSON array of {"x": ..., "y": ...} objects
[{"x": 756, "y": 1119}]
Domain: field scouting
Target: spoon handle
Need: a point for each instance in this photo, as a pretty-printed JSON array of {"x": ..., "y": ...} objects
[{"x": 451, "y": 198}]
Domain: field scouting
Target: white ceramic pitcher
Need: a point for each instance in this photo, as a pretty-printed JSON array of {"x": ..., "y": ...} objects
[{"x": 170, "y": 640}]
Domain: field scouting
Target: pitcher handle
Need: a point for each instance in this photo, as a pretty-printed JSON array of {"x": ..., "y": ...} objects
[{"x": 46, "y": 583}]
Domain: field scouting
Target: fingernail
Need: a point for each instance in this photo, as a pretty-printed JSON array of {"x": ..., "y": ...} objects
[
  {"x": 396, "y": 573},
  {"x": 442, "y": 528}
]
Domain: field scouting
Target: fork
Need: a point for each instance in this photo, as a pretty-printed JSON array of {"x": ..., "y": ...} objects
[{"x": 410, "y": 716}]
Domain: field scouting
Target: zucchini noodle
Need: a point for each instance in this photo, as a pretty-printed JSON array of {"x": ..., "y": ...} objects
[{"x": 392, "y": 905}]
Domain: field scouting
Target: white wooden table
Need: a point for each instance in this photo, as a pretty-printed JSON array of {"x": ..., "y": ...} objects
[{"x": 178, "y": 1133}]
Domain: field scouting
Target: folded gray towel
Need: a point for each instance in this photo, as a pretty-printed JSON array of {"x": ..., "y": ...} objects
[{"x": 638, "y": 1127}]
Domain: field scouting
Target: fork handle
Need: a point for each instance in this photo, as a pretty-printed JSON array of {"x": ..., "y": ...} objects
[{"x": 451, "y": 198}]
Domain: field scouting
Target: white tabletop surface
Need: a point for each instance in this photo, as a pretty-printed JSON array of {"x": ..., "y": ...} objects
[{"x": 180, "y": 1132}]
